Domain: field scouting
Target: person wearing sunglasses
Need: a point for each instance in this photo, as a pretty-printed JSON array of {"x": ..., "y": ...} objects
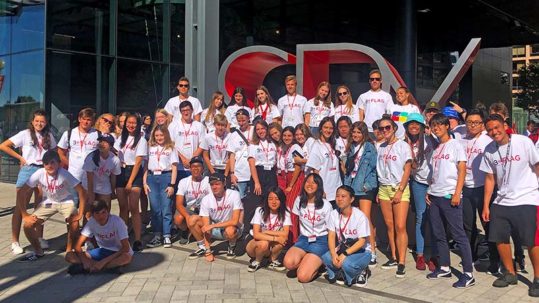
[
  {"x": 344, "y": 105},
  {"x": 173, "y": 104},
  {"x": 393, "y": 167},
  {"x": 400, "y": 111},
  {"x": 105, "y": 123},
  {"x": 372, "y": 104},
  {"x": 321, "y": 106}
]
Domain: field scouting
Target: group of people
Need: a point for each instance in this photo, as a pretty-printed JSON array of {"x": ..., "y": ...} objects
[{"x": 296, "y": 175}]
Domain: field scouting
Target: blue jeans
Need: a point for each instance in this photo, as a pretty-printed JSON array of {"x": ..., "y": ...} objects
[
  {"x": 161, "y": 204},
  {"x": 419, "y": 190},
  {"x": 24, "y": 174},
  {"x": 352, "y": 266},
  {"x": 242, "y": 188}
]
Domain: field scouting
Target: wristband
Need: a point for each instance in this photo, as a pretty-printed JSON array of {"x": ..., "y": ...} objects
[
  {"x": 171, "y": 185},
  {"x": 345, "y": 253}
]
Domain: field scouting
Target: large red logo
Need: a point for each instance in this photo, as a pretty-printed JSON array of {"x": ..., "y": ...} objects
[{"x": 249, "y": 66}]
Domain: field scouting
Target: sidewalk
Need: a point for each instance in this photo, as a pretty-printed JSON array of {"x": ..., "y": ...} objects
[{"x": 166, "y": 275}]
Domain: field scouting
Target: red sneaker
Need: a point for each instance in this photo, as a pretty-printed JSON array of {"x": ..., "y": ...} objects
[
  {"x": 433, "y": 263},
  {"x": 420, "y": 263}
]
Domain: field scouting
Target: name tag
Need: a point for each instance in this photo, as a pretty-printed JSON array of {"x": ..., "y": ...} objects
[
  {"x": 268, "y": 167},
  {"x": 312, "y": 239},
  {"x": 156, "y": 172}
]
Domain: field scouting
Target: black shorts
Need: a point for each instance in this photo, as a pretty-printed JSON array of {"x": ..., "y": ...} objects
[
  {"x": 370, "y": 195},
  {"x": 520, "y": 220},
  {"x": 121, "y": 179}
]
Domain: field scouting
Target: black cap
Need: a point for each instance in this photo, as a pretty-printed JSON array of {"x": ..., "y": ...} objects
[
  {"x": 107, "y": 138},
  {"x": 217, "y": 177},
  {"x": 242, "y": 111},
  {"x": 196, "y": 159}
]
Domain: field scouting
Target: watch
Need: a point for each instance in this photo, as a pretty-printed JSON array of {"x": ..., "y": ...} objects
[{"x": 345, "y": 253}]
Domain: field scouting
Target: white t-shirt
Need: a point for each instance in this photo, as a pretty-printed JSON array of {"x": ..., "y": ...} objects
[
  {"x": 354, "y": 227},
  {"x": 391, "y": 161},
  {"x": 340, "y": 145},
  {"x": 107, "y": 167},
  {"x": 273, "y": 223},
  {"x": 374, "y": 104},
  {"x": 319, "y": 112},
  {"x": 444, "y": 168},
  {"x": 312, "y": 222},
  {"x": 222, "y": 210},
  {"x": 161, "y": 158},
  {"x": 264, "y": 153},
  {"x": 323, "y": 159},
  {"x": 56, "y": 189},
  {"x": 293, "y": 109},
  {"x": 193, "y": 191},
  {"x": 422, "y": 172},
  {"x": 305, "y": 150},
  {"x": 358, "y": 152},
  {"x": 79, "y": 147},
  {"x": 240, "y": 149},
  {"x": 272, "y": 112},
  {"x": 173, "y": 107},
  {"x": 30, "y": 152},
  {"x": 216, "y": 146},
  {"x": 230, "y": 114},
  {"x": 187, "y": 138},
  {"x": 108, "y": 236},
  {"x": 342, "y": 110},
  {"x": 459, "y": 131},
  {"x": 399, "y": 114},
  {"x": 285, "y": 160},
  {"x": 129, "y": 153},
  {"x": 514, "y": 171},
  {"x": 474, "y": 148}
]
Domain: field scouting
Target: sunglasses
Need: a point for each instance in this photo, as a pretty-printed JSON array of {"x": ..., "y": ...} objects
[
  {"x": 342, "y": 94},
  {"x": 107, "y": 120},
  {"x": 183, "y": 85},
  {"x": 384, "y": 128},
  {"x": 375, "y": 79}
]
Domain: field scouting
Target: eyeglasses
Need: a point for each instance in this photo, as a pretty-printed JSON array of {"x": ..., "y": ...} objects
[
  {"x": 474, "y": 123},
  {"x": 384, "y": 128},
  {"x": 375, "y": 79},
  {"x": 183, "y": 85},
  {"x": 106, "y": 120},
  {"x": 342, "y": 94}
]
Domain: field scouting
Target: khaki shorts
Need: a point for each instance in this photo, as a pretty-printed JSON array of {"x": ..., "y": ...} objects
[
  {"x": 387, "y": 192},
  {"x": 47, "y": 210}
]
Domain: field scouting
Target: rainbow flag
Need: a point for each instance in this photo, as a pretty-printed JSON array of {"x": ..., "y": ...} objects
[{"x": 399, "y": 117}]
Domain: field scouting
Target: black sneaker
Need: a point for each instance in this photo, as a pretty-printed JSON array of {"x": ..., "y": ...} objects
[
  {"x": 31, "y": 257},
  {"x": 339, "y": 278},
  {"x": 154, "y": 242},
  {"x": 276, "y": 265},
  {"x": 253, "y": 266},
  {"x": 439, "y": 273},
  {"x": 373, "y": 263},
  {"x": 520, "y": 265},
  {"x": 197, "y": 253},
  {"x": 137, "y": 246},
  {"x": 401, "y": 271},
  {"x": 390, "y": 264},
  {"x": 505, "y": 280},
  {"x": 362, "y": 279},
  {"x": 464, "y": 281},
  {"x": 494, "y": 270},
  {"x": 534, "y": 289},
  {"x": 184, "y": 237},
  {"x": 231, "y": 253}
]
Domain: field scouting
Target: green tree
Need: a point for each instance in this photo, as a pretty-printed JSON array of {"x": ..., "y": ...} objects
[{"x": 528, "y": 85}]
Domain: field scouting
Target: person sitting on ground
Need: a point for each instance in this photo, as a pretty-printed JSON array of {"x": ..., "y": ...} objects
[{"x": 110, "y": 232}]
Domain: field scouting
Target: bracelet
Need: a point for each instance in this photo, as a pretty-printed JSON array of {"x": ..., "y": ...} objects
[{"x": 171, "y": 185}]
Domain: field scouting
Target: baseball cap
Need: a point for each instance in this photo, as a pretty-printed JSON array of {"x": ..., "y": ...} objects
[
  {"x": 415, "y": 117},
  {"x": 196, "y": 159},
  {"x": 217, "y": 177},
  {"x": 432, "y": 105},
  {"x": 107, "y": 138},
  {"x": 450, "y": 112}
]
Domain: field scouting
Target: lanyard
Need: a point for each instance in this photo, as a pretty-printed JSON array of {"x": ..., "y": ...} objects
[
  {"x": 196, "y": 192},
  {"x": 187, "y": 133},
  {"x": 82, "y": 141},
  {"x": 158, "y": 154},
  {"x": 39, "y": 147},
  {"x": 266, "y": 151},
  {"x": 222, "y": 208},
  {"x": 343, "y": 229},
  {"x": 291, "y": 106},
  {"x": 276, "y": 223},
  {"x": 126, "y": 146},
  {"x": 330, "y": 153},
  {"x": 311, "y": 219},
  {"x": 51, "y": 187},
  {"x": 386, "y": 155},
  {"x": 218, "y": 147},
  {"x": 285, "y": 157},
  {"x": 469, "y": 152},
  {"x": 505, "y": 177},
  {"x": 264, "y": 111}
]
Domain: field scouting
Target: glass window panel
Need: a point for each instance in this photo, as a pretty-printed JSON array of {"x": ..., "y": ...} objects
[
  {"x": 177, "y": 33},
  {"x": 5, "y": 35},
  {"x": 27, "y": 28}
]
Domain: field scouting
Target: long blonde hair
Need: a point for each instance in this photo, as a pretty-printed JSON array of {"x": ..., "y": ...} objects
[
  {"x": 327, "y": 100},
  {"x": 349, "y": 102},
  {"x": 212, "y": 110},
  {"x": 164, "y": 112},
  {"x": 269, "y": 99},
  {"x": 168, "y": 141}
]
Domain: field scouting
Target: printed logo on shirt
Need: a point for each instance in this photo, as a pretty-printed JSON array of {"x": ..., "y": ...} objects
[
  {"x": 312, "y": 218},
  {"x": 440, "y": 157},
  {"x": 52, "y": 188},
  {"x": 375, "y": 101},
  {"x": 504, "y": 160},
  {"x": 188, "y": 133},
  {"x": 474, "y": 150},
  {"x": 220, "y": 208},
  {"x": 220, "y": 147},
  {"x": 349, "y": 232},
  {"x": 399, "y": 117},
  {"x": 90, "y": 143},
  {"x": 102, "y": 171},
  {"x": 155, "y": 153},
  {"x": 110, "y": 235},
  {"x": 388, "y": 157}
]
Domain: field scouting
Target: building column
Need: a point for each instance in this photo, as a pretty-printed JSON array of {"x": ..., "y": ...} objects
[{"x": 408, "y": 43}]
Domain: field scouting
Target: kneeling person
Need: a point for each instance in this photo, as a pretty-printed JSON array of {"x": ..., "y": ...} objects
[
  {"x": 220, "y": 213},
  {"x": 111, "y": 235}
]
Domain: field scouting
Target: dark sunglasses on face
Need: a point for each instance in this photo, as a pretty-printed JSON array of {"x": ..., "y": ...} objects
[
  {"x": 183, "y": 85},
  {"x": 374, "y": 79},
  {"x": 384, "y": 128},
  {"x": 342, "y": 94},
  {"x": 107, "y": 120}
]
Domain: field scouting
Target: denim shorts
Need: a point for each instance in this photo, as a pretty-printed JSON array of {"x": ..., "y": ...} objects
[
  {"x": 218, "y": 233},
  {"x": 319, "y": 247},
  {"x": 100, "y": 253},
  {"x": 25, "y": 173}
]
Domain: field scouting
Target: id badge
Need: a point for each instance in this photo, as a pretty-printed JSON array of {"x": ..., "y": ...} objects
[
  {"x": 156, "y": 172},
  {"x": 268, "y": 167},
  {"x": 312, "y": 239},
  {"x": 218, "y": 162},
  {"x": 187, "y": 148}
]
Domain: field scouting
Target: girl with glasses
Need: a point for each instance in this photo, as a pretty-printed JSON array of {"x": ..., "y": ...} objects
[{"x": 344, "y": 105}]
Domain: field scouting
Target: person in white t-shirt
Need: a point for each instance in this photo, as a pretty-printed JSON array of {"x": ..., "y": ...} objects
[
  {"x": 173, "y": 104},
  {"x": 294, "y": 108},
  {"x": 313, "y": 210},
  {"x": 393, "y": 168},
  {"x": 214, "y": 147},
  {"x": 105, "y": 123},
  {"x": 270, "y": 226},
  {"x": 187, "y": 135},
  {"x": 101, "y": 167},
  {"x": 265, "y": 107},
  {"x": 190, "y": 192},
  {"x": 34, "y": 142},
  {"x": 221, "y": 212},
  {"x": 402, "y": 109},
  {"x": 305, "y": 139},
  {"x": 288, "y": 172},
  {"x": 373, "y": 104},
  {"x": 238, "y": 153},
  {"x": 217, "y": 106},
  {"x": 110, "y": 233},
  {"x": 344, "y": 105},
  {"x": 447, "y": 174},
  {"x": 132, "y": 149},
  {"x": 239, "y": 101},
  {"x": 321, "y": 106},
  {"x": 348, "y": 240},
  {"x": 262, "y": 159},
  {"x": 324, "y": 159},
  {"x": 511, "y": 163},
  {"x": 377, "y": 136},
  {"x": 344, "y": 124},
  {"x": 160, "y": 174},
  {"x": 57, "y": 185}
]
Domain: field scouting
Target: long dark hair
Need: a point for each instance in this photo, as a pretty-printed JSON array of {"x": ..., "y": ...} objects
[
  {"x": 45, "y": 133},
  {"x": 318, "y": 195},
  {"x": 283, "y": 145},
  {"x": 125, "y": 132},
  {"x": 241, "y": 91},
  {"x": 362, "y": 127},
  {"x": 332, "y": 139},
  {"x": 281, "y": 212},
  {"x": 96, "y": 155}
]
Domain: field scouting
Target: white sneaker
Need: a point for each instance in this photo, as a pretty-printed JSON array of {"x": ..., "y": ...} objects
[
  {"x": 16, "y": 248},
  {"x": 43, "y": 243},
  {"x": 166, "y": 242}
]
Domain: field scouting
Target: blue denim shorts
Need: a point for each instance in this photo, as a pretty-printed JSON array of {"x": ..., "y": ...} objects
[
  {"x": 219, "y": 233},
  {"x": 100, "y": 253},
  {"x": 25, "y": 173},
  {"x": 319, "y": 247}
]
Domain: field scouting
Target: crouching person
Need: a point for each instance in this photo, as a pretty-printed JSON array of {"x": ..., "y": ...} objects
[
  {"x": 110, "y": 233},
  {"x": 56, "y": 184}
]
